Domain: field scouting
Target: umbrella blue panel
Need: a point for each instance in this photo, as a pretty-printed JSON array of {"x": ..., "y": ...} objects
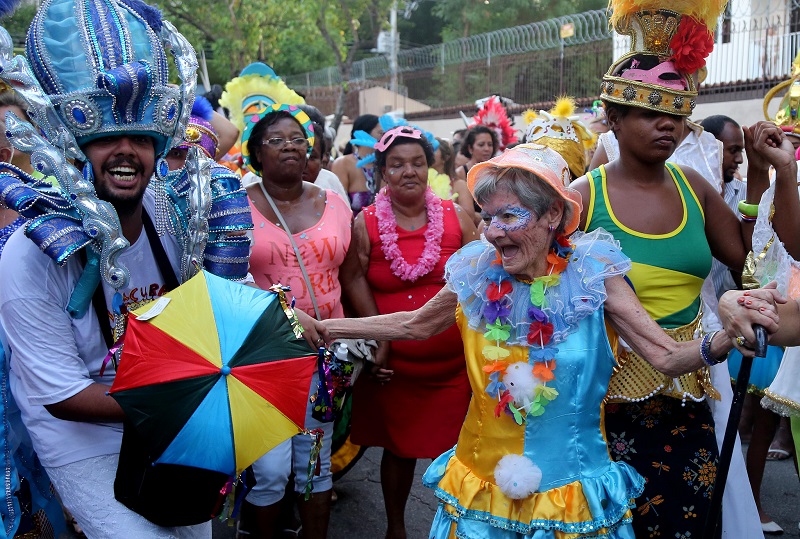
[
  {"x": 206, "y": 441},
  {"x": 236, "y": 308}
]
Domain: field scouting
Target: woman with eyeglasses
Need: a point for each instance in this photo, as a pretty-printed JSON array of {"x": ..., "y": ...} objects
[
  {"x": 301, "y": 239},
  {"x": 414, "y": 407}
]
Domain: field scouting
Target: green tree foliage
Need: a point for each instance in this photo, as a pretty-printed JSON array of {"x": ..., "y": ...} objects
[
  {"x": 17, "y": 24},
  {"x": 236, "y": 33},
  {"x": 348, "y": 26}
]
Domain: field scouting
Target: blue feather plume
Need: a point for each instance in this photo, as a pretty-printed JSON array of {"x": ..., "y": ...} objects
[{"x": 202, "y": 108}]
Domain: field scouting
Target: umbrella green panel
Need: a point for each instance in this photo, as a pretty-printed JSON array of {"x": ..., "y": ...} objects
[
  {"x": 206, "y": 440},
  {"x": 145, "y": 407},
  {"x": 271, "y": 339}
]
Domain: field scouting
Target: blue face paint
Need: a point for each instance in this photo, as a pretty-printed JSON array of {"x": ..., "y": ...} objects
[{"x": 508, "y": 218}]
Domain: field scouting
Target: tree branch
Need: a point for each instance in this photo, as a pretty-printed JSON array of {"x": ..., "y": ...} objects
[{"x": 178, "y": 12}]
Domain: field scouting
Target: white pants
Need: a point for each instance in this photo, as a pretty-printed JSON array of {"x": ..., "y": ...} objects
[
  {"x": 273, "y": 469},
  {"x": 86, "y": 488}
]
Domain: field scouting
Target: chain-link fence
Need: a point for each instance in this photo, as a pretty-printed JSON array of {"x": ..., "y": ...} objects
[
  {"x": 532, "y": 64},
  {"x": 528, "y": 64}
]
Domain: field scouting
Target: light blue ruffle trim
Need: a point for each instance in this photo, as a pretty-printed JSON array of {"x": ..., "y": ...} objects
[
  {"x": 609, "y": 495},
  {"x": 581, "y": 291},
  {"x": 470, "y": 529}
]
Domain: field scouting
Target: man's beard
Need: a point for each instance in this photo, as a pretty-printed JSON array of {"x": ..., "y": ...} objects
[{"x": 125, "y": 203}]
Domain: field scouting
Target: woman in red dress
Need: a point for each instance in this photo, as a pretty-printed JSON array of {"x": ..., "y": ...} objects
[{"x": 415, "y": 404}]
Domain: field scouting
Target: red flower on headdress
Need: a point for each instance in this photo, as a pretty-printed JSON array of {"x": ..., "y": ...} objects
[{"x": 691, "y": 45}]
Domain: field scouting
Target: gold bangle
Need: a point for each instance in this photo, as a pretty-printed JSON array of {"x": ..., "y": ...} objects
[{"x": 748, "y": 210}]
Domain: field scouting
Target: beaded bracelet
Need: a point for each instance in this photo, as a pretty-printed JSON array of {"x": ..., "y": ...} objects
[
  {"x": 748, "y": 210},
  {"x": 705, "y": 350},
  {"x": 748, "y": 219}
]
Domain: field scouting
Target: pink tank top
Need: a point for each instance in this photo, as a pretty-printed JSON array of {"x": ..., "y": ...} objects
[{"x": 322, "y": 247}]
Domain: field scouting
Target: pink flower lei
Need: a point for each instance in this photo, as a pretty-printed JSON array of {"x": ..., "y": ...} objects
[{"x": 387, "y": 227}]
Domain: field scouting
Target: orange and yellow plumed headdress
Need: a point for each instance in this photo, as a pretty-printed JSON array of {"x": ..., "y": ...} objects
[{"x": 670, "y": 41}]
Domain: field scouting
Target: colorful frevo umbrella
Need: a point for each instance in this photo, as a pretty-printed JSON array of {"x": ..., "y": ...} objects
[{"x": 218, "y": 377}]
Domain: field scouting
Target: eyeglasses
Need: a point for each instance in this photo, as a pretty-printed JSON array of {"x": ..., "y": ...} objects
[
  {"x": 278, "y": 142},
  {"x": 404, "y": 131}
]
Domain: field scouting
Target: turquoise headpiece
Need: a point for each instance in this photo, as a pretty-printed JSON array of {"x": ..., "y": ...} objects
[
  {"x": 103, "y": 66},
  {"x": 250, "y": 121}
]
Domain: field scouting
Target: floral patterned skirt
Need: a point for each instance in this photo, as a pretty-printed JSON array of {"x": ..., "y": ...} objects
[{"x": 674, "y": 447}]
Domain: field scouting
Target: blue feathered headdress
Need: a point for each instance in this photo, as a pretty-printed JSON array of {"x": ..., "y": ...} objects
[{"x": 103, "y": 65}]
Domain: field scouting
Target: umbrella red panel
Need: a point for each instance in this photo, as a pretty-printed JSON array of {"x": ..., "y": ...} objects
[{"x": 151, "y": 357}]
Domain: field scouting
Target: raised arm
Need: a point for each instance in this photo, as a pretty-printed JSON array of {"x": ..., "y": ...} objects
[
  {"x": 227, "y": 133},
  {"x": 648, "y": 340},
  {"x": 771, "y": 147},
  {"x": 429, "y": 320}
]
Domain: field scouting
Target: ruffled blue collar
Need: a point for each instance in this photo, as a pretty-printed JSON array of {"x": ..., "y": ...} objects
[{"x": 580, "y": 292}]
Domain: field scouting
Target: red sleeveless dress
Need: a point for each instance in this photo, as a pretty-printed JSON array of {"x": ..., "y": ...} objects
[{"x": 419, "y": 413}]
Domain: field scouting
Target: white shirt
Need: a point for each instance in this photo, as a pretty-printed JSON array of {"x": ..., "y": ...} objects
[{"x": 53, "y": 356}]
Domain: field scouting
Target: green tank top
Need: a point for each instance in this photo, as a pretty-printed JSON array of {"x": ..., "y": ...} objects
[{"x": 667, "y": 270}]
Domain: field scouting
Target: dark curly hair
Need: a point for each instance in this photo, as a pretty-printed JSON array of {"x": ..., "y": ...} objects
[
  {"x": 260, "y": 129},
  {"x": 472, "y": 134}
]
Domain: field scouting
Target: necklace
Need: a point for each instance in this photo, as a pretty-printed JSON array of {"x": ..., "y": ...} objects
[
  {"x": 387, "y": 227},
  {"x": 521, "y": 386}
]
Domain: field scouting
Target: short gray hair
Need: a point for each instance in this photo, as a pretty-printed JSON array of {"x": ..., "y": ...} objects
[{"x": 533, "y": 192}]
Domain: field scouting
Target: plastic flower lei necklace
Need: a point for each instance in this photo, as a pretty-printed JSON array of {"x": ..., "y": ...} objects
[
  {"x": 519, "y": 386},
  {"x": 387, "y": 227}
]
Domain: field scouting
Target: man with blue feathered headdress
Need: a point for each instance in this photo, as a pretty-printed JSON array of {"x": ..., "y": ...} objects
[{"x": 115, "y": 232}]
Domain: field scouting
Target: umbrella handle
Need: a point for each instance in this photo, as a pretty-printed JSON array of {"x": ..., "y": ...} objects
[
  {"x": 761, "y": 340},
  {"x": 714, "y": 517}
]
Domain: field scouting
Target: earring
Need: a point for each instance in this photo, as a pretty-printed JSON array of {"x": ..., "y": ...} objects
[{"x": 551, "y": 228}]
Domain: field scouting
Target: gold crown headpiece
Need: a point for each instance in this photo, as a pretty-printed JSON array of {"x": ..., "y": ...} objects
[
  {"x": 563, "y": 131},
  {"x": 788, "y": 114},
  {"x": 667, "y": 47}
]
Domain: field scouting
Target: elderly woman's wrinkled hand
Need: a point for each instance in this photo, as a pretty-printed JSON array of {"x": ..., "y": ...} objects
[
  {"x": 314, "y": 332},
  {"x": 740, "y": 310}
]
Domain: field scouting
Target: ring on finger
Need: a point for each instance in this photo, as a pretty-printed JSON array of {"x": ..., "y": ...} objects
[
  {"x": 319, "y": 340},
  {"x": 740, "y": 340}
]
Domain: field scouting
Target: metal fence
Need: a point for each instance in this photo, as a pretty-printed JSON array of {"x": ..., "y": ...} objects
[
  {"x": 531, "y": 64},
  {"x": 528, "y": 63}
]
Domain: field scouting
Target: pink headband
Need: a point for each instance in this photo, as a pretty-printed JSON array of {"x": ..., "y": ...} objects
[{"x": 403, "y": 131}]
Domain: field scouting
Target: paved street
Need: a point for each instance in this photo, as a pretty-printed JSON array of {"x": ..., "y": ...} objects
[{"x": 359, "y": 512}]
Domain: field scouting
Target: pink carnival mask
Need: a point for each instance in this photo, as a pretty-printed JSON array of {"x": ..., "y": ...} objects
[{"x": 664, "y": 74}]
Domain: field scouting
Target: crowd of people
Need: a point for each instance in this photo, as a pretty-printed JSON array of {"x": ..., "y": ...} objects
[{"x": 552, "y": 316}]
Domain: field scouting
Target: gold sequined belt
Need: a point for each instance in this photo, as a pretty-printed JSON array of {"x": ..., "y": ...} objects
[{"x": 634, "y": 379}]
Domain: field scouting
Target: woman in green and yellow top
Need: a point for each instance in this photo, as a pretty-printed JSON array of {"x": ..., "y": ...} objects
[{"x": 669, "y": 221}]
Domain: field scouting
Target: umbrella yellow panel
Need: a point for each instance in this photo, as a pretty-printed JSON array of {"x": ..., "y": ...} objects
[
  {"x": 190, "y": 318},
  {"x": 257, "y": 425}
]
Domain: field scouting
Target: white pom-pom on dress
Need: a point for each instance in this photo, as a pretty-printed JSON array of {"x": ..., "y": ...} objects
[
  {"x": 517, "y": 476},
  {"x": 521, "y": 383}
]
